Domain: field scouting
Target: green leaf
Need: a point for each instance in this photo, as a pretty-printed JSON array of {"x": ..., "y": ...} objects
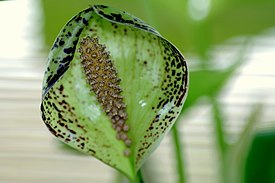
[
  {"x": 233, "y": 171},
  {"x": 260, "y": 163},
  {"x": 113, "y": 87},
  {"x": 211, "y": 82},
  {"x": 207, "y": 83}
]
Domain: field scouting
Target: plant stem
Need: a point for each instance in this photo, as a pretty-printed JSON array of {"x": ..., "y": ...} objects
[
  {"x": 139, "y": 177},
  {"x": 178, "y": 154},
  {"x": 219, "y": 127},
  {"x": 220, "y": 138},
  {"x": 120, "y": 178}
]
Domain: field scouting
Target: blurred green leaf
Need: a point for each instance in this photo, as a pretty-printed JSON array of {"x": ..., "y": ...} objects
[
  {"x": 219, "y": 127},
  {"x": 226, "y": 19},
  {"x": 260, "y": 164},
  {"x": 207, "y": 83},
  {"x": 56, "y": 14},
  {"x": 236, "y": 154},
  {"x": 242, "y": 18}
]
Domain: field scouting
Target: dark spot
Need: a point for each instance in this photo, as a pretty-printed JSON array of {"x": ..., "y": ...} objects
[
  {"x": 178, "y": 65},
  {"x": 84, "y": 21},
  {"x": 69, "y": 50},
  {"x": 56, "y": 107},
  {"x": 72, "y": 131},
  {"x": 60, "y": 115},
  {"x": 173, "y": 72},
  {"x": 61, "y": 43},
  {"x": 78, "y": 18},
  {"x": 51, "y": 129},
  {"x": 61, "y": 88}
]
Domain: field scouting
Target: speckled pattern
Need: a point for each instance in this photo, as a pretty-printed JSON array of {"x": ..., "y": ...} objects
[
  {"x": 67, "y": 113},
  {"x": 174, "y": 88},
  {"x": 66, "y": 120},
  {"x": 63, "y": 49},
  {"x": 123, "y": 18},
  {"x": 113, "y": 87}
]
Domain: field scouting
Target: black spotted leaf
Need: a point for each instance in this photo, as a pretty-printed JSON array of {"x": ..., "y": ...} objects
[{"x": 113, "y": 87}]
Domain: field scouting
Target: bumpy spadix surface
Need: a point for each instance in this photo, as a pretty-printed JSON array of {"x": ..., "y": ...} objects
[{"x": 113, "y": 87}]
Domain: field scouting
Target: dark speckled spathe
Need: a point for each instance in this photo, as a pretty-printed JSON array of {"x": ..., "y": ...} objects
[
  {"x": 118, "y": 18},
  {"x": 176, "y": 69},
  {"x": 61, "y": 43},
  {"x": 90, "y": 119}
]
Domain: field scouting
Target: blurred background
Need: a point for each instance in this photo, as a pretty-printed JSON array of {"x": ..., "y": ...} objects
[{"x": 227, "y": 126}]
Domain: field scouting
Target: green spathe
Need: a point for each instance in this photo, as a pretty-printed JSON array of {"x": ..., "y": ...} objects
[{"x": 113, "y": 87}]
